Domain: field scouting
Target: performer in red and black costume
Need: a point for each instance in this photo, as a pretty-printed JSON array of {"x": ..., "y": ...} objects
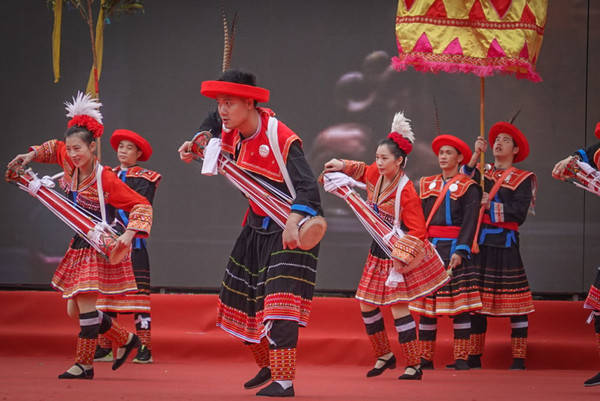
[
  {"x": 83, "y": 273},
  {"x": 268, "y": 286},
  {"x": 450, "y": 203},
  {"x": 382, "y": 179},
  {"x": 508, "y": 196},
  {"x": 591, "y": 156},
  {"x": 132, "y": 148}
]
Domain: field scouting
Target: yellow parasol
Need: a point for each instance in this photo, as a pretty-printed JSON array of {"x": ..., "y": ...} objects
[{"x": 481, "y": 37}]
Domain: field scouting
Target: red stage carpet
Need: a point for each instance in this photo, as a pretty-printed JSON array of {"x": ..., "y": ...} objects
[{"x": 195, "y": 360}]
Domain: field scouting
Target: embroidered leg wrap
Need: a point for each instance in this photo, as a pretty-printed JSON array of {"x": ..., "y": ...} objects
[
  {"x": 283, "y": 363},
  {"x": 376, "y": 331},
  {"x": 518, "y": 336},
  {"x": 477, "y": 338},
  {"x": 143, "y": 324},
  {"x": 283, "y": 338},
  {"x": 427, "y": 336},
  {"x": 407, "y": 336},
  {"x": 88, "y": 337},
  {"x": 260, "y": 352},
  {"x": 112, "y": 331},
  {"x": 518, "y": 347},
  {"x": 102, "y": 340},
  {"x": 86, "y": 347},
  {"x": 462, "y": 330}
]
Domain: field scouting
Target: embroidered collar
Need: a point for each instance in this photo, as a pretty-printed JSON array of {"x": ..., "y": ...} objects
[
  {"x": 89, "y": 180},
  {"x": 380, "y": 197}
]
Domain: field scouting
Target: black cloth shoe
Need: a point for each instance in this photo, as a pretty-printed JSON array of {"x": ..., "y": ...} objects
[
  {"x": 130, "y": 346},
  {"x": 417, "y": 375},
  {"x": 426, "y": 364},
  {"x": 594, "y": 381},
  {"x": 275, "y": 390},
  {"x": 86, "y": 374},
  {"x": 389, "y": 364},
  {"x": 518, "y": 364},
  {"x": 103, "y": 354},
  {"x": 459, "y": 364},
  {"x": 144, "y": 355},
  {"x": 263, "y": 376},
  {"x": 474, "y": 361}
]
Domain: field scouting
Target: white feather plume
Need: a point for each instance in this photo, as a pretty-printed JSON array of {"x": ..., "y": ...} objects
[
  {"x": 84, "y": 104},
  {"x": 401, "y": 125}
]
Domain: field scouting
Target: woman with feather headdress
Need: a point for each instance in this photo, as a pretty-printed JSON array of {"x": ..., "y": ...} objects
[
  {"x": 387, "y": 185},
  {"x": 83, "y": 273}
]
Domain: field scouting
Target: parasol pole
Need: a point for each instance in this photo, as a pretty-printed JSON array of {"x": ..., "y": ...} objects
[
  {"x": 475, "y": 245},
  {"x": 482, "y": 128}
]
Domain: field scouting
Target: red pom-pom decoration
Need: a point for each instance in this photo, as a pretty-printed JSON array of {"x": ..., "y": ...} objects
[
  {"x": 88, "y": 123},
  {"x": 401, "y": 141},
  {"x": 597, "y": 131}
]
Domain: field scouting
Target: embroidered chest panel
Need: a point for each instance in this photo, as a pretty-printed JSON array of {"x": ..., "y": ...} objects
[
  {"x": 384, "y": 211},
  {"x": 255, "y": 153},
  {"x": 433, "y": 185},
  {"x": 140, "y": 172},
  {"x": 383, "y": 198},
  {"x": 87, "y": 198},
  {"x": 513, "y": 180},
  {"x": 87, "y": 195}
]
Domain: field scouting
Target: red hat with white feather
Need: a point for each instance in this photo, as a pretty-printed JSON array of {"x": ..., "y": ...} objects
[
  {"x": 84, "y": 112},
  {"x": 401, "y": 133}
]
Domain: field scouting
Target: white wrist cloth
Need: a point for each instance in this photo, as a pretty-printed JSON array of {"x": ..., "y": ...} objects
[
  {"x": 333, "y": 181},
  {"x": 211, "y": 157},
  {"x": 35, "y": 184},
  {"x": 144, "y": 322},
  {"x": 394, "y": 278}
]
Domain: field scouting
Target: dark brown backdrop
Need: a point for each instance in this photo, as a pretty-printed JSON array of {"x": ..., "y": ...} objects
[{"x": 153, "y": 66}]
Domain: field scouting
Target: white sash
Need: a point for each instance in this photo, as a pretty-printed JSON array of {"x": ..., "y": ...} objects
[
  {"x": 100, "y": 192},
  {"x": 395, "y": 276},
  {"x": 272, "y": 136},
  {"x": 396, "y": 229}
]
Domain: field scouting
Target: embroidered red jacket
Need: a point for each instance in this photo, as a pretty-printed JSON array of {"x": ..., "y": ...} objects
[
  {"x": 411, "y": 213},
  {"x": 255, "y": 153},
  {"x": 116, "y": 193}
]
